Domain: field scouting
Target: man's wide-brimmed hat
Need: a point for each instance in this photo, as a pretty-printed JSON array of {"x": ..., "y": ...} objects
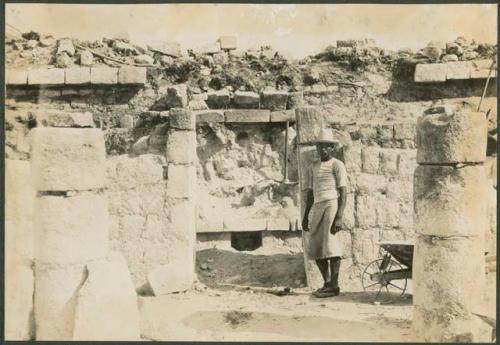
[{"x": 326, "y": 137}]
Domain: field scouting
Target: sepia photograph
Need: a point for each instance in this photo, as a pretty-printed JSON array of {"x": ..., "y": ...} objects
[{"x": 250, "y": 172}]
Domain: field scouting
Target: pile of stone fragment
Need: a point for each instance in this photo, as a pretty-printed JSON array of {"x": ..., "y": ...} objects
[{"x": 459, "y": 50}]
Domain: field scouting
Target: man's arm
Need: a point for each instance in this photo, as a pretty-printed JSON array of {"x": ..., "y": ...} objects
[
  {"x": 309, "y": 203},
  {"x": 338, "y": 223}
]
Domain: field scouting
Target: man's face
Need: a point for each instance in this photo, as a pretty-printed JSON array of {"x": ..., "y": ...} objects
[{"x": 325, "y": 151}]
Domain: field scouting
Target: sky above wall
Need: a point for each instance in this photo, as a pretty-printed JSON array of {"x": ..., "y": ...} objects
[{"x": 300, "y": 29}]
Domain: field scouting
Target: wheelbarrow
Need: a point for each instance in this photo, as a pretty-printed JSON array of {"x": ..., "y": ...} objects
[{"x": 391, "y": 272}]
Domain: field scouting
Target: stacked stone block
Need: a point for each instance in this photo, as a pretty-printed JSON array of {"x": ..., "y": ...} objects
[
  {"x": 71, "y": 231},
  {"x": 450, "y": 188}
]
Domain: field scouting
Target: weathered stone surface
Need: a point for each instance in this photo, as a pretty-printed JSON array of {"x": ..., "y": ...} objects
[
  {"x": 310, "y": 123},
  {"x": 400, "y": 190},
  {"x": 19, "y": 205},
  {"x": 209, "y": 225},
  {"x": 126, "y": 121},
  {"x": 367, "y": 184},
  {"x": 68, "y": 159},
  {"x": 181, "y": 181},
  {"x": 449, "y": 58},
  {"x": 450, "y": 201},
  {"x": 457, "y": 138},
  {"x": 106, "y": 307},
  {"x": 80, "y": 222},
  {"x": 458, "y": 70},
  {"x": 167, "y": 48},
  {"x": 481, "y": 69},
  {"x": 405, "y": 130},
  {"x": 173, "y": 277},
  {"x": 197, "y": 105},
  {"x": 407, "y": 161},
  {"x": 366, "y": 210},
  {"x": 248, "y": 224},
  {"x": 389, "y": 161},
  {"x": 283, "y": 116},
  {"x": 274, "y": 99},
  {"x": 182, "y": 119},
  {"x": 247, "y": 115},
  {"x": 104, "y": 75},
  {"x": 246, "y": 100},
  {"x": 220, "y": 58},
  {"x": 86, "y": 58},
  {"x": 218, "y": 99},
  {"x": 55, "y": 300},
  {"x": 65, "y": 45},
  {"x": 181, "y": 147},
  {"x": 77, "y": 75},
  {"x": 435, "y": 72},
  {"x": 228, "y": 42},
  {"x": 352, "y": 158},
  {"x": 157, "y": 142},
  {"x": 16, "y": 77},
  {"x": 144, "y": 59},
  {"x": 176, "y": 97},
  {"x": 56, "y": 118},
  {"x": 46, "y": 76},
  {"x": 447, "y": 275},
  {"x": 207, "y": 116},
  {"x": 140, "y": 147},
  {"x": 210, "y": 48},
  {"x": 370, "y": 159},
  {"x": 295, "y": 100},
  {"x": 132, "y": 75},
  {"x": 19, "y": 289}
]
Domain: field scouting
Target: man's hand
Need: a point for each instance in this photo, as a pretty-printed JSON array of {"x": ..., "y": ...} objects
[
  {"x": 305, "y": 224},
  {"x": 337, "y": 225}
]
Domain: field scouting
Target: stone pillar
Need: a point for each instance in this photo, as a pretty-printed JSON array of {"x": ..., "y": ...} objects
[
  {"x": 71, "y": 237},
  {"x": 309, "y": 124},
  {"x": 179, "y": 273},
  {"x": 450, "y": 223}
]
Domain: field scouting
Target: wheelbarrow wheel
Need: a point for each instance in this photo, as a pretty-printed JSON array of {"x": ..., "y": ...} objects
[{"x": 372, "y": 278}]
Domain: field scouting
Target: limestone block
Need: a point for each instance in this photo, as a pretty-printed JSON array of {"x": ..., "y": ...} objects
[
  {"x": 106, "y": 307},
  {"x": 176, "y": 96},
  {"x": 407, "y": 162},
  {"x": 19, "y": 207},
  {"x": 246, "y": 100},
  {"x": 209, "y": 116},
  {"x": 405, "y": 131},
  {"x": 481, "y": 69},
  {"x": 352, "y": 158},
  {"x": 141, "y": 146},
  {"x": 349, "y": 211},
  {"x": 279, "y": 224},
  {"x": 56, "y": 118},
  {"x": 389, "y": 161},
  {"x": 247, "y": 224},
  {"x": 79, "y": 222},
  {"x": 435, "y": 72},
  {"x": 55, "y": 300},
  {"x": 126, "y": 172},
  {"x": 181, "y": 147},
  {"x": 366, "y": 210},
  {"x": 228, "y": 42},
  {"x": 104, "y": 75},
  {"x": 132, "y": 75},
  {"x": 127, "y": 121},
  {"x": 210, "y": 48},
  {"x": 218, "y": 99},
  {"x": 19, "y": 289},
  {"x": 46, "y": 76},
  {"x": 450, "y": 201},
  {"x": 364, "y": 246},
  {"x": 447, "y": 275},
  {"x": 400, "y": 190},
  {"x": 181, "y": 181},
  {"x": 310, "y": 122},
  {"x": 295, "y": 99},
  {"x": 458, "y": 70},
  {"x": 16, "y": 77},
  {"x": 77, "y": 75},
  {"x": 173, "y": 277},
  {"x": 197, "y": 105},
  {"x": 209, "y": 225},
  {"x": 406, "y": 216},
  {"x": 274, "y": 99},
  {"x": 370, "y": 183},
  {"x": 283, "y": 116},
  {"x": 182, "y": 119},
  {"x": 370, "y": 158},
  {"x": 247, "y": 115},
  {"x": 68, "y": 159},
  {"x": 167, "y": 48},
  {"x": 65, "y": 45},
  {"x": 457, "y": 138},
  {"x": 389, "y": 214}
]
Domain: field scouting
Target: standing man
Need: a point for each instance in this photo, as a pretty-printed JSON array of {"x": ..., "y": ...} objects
[{"x": 326, "y": 198}]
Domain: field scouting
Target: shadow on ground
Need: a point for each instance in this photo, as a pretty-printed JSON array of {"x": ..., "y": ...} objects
[{"x": 216, "y": 267}]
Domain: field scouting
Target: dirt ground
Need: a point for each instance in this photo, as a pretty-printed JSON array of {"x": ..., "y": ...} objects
[{"x": 243, "y": 296}]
